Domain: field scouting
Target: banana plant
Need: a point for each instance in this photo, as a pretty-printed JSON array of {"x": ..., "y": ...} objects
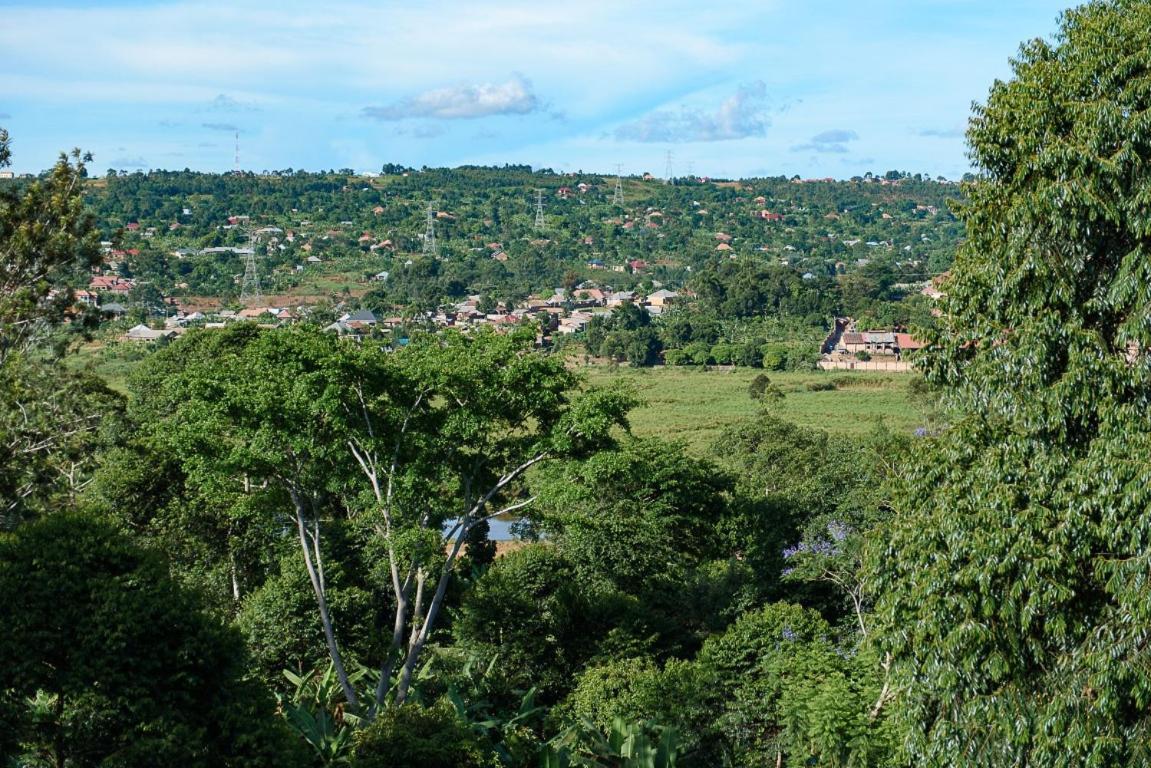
[
  {"x": 625, "y": 745},
  {"x": 317, "y": 712}
]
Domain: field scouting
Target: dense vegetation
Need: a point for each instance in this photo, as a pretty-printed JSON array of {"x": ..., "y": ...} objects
[
  {"x": 762, "y": 264},
  {"x": 243, "y": 561}
]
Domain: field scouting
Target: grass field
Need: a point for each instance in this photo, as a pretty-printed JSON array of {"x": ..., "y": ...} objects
[{"x": 694, "y": 406}]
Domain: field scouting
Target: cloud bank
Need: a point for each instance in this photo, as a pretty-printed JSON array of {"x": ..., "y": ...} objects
[
  {"x": 740, "y": 116},
  {"x": 462, "y": 102}
]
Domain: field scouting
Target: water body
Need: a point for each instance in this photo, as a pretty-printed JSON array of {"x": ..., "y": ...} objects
[{"x": 500, "y": 528}]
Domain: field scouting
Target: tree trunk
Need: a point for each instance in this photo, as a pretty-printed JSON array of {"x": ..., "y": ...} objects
[{"x": 315, "y": 566}]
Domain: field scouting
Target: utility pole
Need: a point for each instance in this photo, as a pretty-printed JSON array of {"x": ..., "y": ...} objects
[
  {"x": 540, "y": 222},
  {"x": 617, "y": 198},
  {"x": 430, "y": 248}
]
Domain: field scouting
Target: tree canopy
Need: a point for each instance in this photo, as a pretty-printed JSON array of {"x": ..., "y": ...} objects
[{"x": 1012, "y": 581}]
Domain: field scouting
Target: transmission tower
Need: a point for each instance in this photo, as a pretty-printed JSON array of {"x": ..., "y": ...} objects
[
  {"x": 540, "y": 223},
  {"x": 250, "y": 287},
  {"x": 668, "y": 175},
  {"x": 237, "y": 151},
  {"x": 617, "y": 198},
  {"x": 430, "y": 248}
]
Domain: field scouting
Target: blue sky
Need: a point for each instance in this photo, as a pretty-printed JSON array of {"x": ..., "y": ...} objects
[{"x": 730, "y": 87}]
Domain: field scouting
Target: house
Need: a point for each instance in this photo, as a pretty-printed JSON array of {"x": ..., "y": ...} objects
[
  {"x": 111, "y": 284},
  {"x": 723, "y": 237},
  {"x": 723, "y": 247},
  {"x": 590, "y": 296},
  {"x": 144, "y": 333},
  {"x": 905, "y": 343},
  {"x": 851, "y": 343},
  {"x": 87, "y": 298},
  {"x": 880, "y": 342},
  {"x": 365, "y": 316},
  {"x": 620, "y": 297},
  {"x": 662, "y": 298}
]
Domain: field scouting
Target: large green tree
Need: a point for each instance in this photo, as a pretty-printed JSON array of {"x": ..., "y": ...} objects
[
  {"x": 50, "y": 419},
  {"x": 1012, "y": 584},
  {"x": 400, "y": 448}
]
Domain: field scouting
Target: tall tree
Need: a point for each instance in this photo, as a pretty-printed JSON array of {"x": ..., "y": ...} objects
[
  {"x": 49, "y": 418},
  {"x": 405, "y": 448},
  {"x": 47, "y": 239},
  {"x": 1011, "y": 585}
]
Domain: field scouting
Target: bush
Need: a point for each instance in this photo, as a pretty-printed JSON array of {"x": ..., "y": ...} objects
[{"x": 427, "y": 737}]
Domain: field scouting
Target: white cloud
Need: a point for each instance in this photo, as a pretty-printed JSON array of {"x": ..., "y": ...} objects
[
  {"x": 829, "y": 142},
  {"x": 463, "y": 102},
  {"x": 128, "y": 162},
  {"x": 220, "y": 127},
  {"x": 942, "y": 133},
  {"x": 740, "y": 116},
  {"x": 225, "y": 103}
]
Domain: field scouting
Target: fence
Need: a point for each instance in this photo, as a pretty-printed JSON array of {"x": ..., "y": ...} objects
[{"x": 894, "y": 366}]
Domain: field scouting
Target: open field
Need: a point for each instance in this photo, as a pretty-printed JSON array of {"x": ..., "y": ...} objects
[{"x": 696, "y": 405}]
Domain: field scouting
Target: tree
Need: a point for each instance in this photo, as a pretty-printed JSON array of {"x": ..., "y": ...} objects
[
  {"x": 49, "y": 418},
  {"x": 105, "y": 661},
  {"x": 1011, "y": 584},
  {"x": 47, "y": 240},
  {"x": 398, "y": 447}
]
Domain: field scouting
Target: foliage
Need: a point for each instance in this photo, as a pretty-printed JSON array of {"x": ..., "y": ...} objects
[
  {"x": 622, "y": 745},
  {"x": 120, "y": 665},
  {"x": 544, "y": 621},
  {"x": 634, "y": 514},
  {"x": 47, "y": 241},
  {"x": 1011, "y": 584},
  {"x": 430, "y": 737},
  {"x": 52, "y": 422},
  {"x": 790, "y": 695},
  {"x": 315, "y": 711}
]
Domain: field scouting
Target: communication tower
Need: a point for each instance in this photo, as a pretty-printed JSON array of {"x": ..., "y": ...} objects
[{"x": 540, "y": 222}]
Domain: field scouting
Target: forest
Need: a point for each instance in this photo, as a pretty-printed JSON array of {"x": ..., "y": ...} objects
[{"x": 275, "y": 547}]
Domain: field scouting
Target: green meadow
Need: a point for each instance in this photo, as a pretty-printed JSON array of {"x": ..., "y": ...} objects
[{"x": 694, "y": 405}]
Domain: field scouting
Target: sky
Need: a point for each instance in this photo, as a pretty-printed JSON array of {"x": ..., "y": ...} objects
[{"x": 730, "y": 88}]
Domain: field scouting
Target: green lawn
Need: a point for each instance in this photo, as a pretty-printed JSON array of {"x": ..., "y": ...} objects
[{"x": 695, "y": 405}]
